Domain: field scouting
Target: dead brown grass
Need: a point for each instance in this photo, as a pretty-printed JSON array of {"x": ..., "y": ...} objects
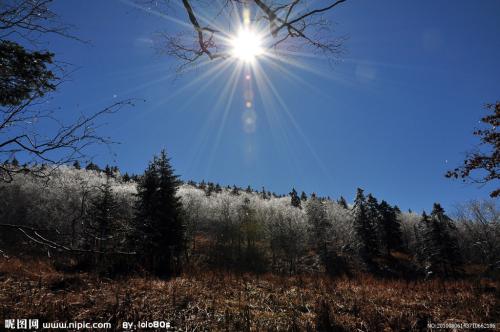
[{"x": 227, "y": 302}]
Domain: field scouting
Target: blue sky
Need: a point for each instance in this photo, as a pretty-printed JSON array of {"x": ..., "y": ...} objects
[{"x": 391, "y": 116}]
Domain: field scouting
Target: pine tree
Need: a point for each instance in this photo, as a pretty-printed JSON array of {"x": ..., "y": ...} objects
[
  {"x": 108, "y": 171},
  {"x": 342, "y": 202},
  {"x": 76, "y": 165},
  {"x": 101, "y": 226},
  {"x": 263, "y": 193},
  {"x": 159, "y": 217},
  {"x": 295, "y": 200},
  {"x": 249, "y": 189},
  {"x": 390, "y": 227},
  {"x": 209, "y": 189},
  {"x": 92, "y": 167},
  {"x": 235, "y": 191},
  {"x": 303, "y": 196},
  {"x": 446, "y": 241},
  {"x": 439, "y": 248},
  {"x": 126, "y": 177},
  {"x": 372, "y": 212},
  {"x": 368, "y": 246}
]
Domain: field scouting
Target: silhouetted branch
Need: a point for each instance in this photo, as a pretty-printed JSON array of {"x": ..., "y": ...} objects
[
  {"x": 36, "y": 237},
  {"x": 65, "y": 145},
  {"x": 27, "y": 19},
  {"x": 294, "y": 20},
  {"x": 486, "y": 159}
]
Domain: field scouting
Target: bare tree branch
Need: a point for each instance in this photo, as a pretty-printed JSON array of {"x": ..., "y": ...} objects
[
  {"x": 298, "y": 23},
  {"x": 34, "y": 235},
  {"x": 64, "y": 146}
]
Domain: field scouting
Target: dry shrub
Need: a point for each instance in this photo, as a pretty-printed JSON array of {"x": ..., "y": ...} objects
[{"x": 218, "y": 301}]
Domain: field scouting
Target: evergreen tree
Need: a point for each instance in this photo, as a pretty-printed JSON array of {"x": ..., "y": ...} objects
[
  {"x": 235, "y": 191},
  {"x": 249, "y": 189},
  {"x": 115, "y": 170},
  {"x": 390, "y": 227},
  {"x": 263, "y": 193},
  {"x": 126, "y": 177},
  {"x": 209, "y": 189},
  {"x": 158, "y": 217},
  {"x": 439, "y": 247},
  {"x": 218, "y": 188},
  {"x": 372, "y": 212},
  {"x": 92, "y": 167},
  {"x": 14, "y": 162},
  {"x": 202, "y": 185},
  {"x": 447, "y": 242},
  {"x": 303, "y": 196},
  {"x": 76, "y": 165},
  {"x": 367, "y": 239},
  {"x": 101, "y": 227},
  {"x": 23, "y": 74},
  {"x": 295, "y": 200},
  {"x": 342, "y": 202},
  {"x": 108, "y": 171}
]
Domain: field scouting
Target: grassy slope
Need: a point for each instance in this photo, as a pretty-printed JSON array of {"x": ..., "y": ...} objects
[{"x": 211, "y": 301}]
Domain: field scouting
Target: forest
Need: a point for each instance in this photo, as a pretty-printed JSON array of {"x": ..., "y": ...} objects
[
  {"x": 88, "y": 221},
  {"x": 243, "y": 93}
]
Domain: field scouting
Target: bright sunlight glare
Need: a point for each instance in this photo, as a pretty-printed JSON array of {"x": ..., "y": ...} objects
[{"x": 246, "y": 45}]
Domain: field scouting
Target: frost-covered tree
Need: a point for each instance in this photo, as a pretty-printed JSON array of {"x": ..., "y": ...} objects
[
  {"x": 478, "y": 223},
  {"x": 285, "y": 231},
  {"x": 319, "y": 226},
  {"x": 251, "y": 234}
]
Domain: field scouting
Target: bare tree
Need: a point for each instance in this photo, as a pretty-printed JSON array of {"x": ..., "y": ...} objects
[
  {"x": 27, "y": 77},
  {"x": 485, "y": 159},
  {"x": 28, "y": 19},
  {"x": 292, "y": 25},
  {"x": 479, "y": 222}
]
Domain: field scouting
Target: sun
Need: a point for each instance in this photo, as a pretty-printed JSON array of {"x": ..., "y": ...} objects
[{"x": 246, "y": 45}]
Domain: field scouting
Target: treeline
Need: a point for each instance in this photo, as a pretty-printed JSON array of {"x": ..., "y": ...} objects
[{"x": 97, "y": 219}]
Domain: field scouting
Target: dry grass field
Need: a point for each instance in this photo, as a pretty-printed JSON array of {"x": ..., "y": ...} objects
[{"x": 228, "y": 302}]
